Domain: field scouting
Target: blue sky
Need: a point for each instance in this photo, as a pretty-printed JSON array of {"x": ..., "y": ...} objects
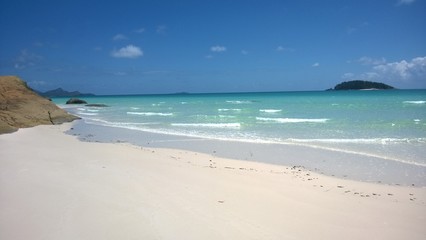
[{"x": 131, "y": 47}]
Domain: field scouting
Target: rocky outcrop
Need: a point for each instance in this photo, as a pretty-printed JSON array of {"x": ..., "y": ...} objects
[
  {"x": 21, "y": 107},
  {"x": 76, "y": 101}
]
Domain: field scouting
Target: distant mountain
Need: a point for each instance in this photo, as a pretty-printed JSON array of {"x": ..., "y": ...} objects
[
  {"x": 59, "y": 92},
  {"x": 361, "y": 85}
]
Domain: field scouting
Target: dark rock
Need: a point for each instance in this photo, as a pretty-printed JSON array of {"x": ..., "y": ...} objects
[
  {"x": 76, "y": 101},
  {"x": 96, "y": 105}
]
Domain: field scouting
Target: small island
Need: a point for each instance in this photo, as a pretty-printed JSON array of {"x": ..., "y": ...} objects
[{"x": 361, "y": 85}]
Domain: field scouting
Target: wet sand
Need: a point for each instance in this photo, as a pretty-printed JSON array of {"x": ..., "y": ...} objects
[{"x": 320, "y": 160}]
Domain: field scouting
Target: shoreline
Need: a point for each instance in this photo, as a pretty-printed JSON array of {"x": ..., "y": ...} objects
[
  {"x": 63, "y": 188},
  {"x": 341, "y": 164}
]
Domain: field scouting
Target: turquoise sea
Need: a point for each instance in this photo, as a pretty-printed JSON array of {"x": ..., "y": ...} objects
[{"x": 387, "y": 124}]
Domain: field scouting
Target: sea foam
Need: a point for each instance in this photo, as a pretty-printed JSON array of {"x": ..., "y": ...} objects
[
  {"x": 87, "y": 114},
  {"x": 229, "y": 109},
  {"x": 209, "y": 125},
  {"x": 415, "y": 102},
  {"x": 293, "y": 120},
  {"x": 238, "y": 102},
  {"x": 270, "y": 110},
  {"x": 150, "y": 114}
]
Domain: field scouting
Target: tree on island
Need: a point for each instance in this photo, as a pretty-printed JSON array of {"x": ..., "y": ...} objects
[{"x": 360, "y": 84}]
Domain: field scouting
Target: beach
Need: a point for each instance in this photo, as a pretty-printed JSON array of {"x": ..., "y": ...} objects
[
  {"x": 206, "y": 120},
  {"x": 54, "y": 186}
]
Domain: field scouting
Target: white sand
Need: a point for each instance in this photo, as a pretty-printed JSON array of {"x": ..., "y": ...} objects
[{"x": 53, "y": 186}]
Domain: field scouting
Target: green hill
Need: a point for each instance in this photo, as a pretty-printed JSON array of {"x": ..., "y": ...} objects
[{"x": 360, "y": 85}]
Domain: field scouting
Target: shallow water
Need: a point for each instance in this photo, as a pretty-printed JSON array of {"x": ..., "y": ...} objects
[
  {"x": 375, "y": 136},
  {"x": 384, "y": 124}
]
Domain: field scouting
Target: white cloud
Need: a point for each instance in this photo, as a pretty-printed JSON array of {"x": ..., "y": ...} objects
[
  {"x": 140, "y": 30},
  {"x": 209, "y": 56},
  {"x": 353, "y": 29},
  {"x": 373, "y": 76},
  {"x": 315, "y": 64},
  {"x": 245, "y": 52},
  {"x": 405, "y": 2},
  {"x": 280, "y": 48},
  {"x": 161, "y": 29},
  {"x": 120, "y": 73},
  {"x": 371, "y": 61},
  {"x": 403, "y": 70},
  {"x": 130, "y": 51},
  {"x": 284, "y": 49},
  {"x": 348, "y": 76},
  {"x": 218, "y": 48},
  {"x": 26, "y": 59},
  {"x": 38, "y": 44},
  {"x": 408, "y": 74},
  {"x": 119, "y": 37},
  {"x": 350, "y": 30}
]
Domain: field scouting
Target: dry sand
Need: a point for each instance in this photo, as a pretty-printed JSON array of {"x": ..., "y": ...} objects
[{"x": 53, "y": 186}]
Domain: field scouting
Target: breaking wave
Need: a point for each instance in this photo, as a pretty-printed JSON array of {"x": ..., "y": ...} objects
[
  {"x": 209, "y": 125},
  {"x": 293, "y": 120},
  {"x": 150, "y": 114}
]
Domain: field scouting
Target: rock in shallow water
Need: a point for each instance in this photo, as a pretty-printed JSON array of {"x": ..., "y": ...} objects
[{"x": 76, "y": 101}]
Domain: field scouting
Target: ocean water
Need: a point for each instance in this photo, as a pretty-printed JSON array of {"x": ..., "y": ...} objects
[{"x": 389, "y": 125}]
